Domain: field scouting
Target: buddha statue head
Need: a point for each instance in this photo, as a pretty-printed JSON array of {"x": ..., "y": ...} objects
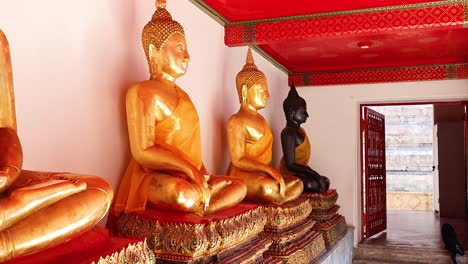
[
  {"x": 295, "y": 108},
  {"x": 252, "y": 85},
  {"x": 165, "y": 46}
]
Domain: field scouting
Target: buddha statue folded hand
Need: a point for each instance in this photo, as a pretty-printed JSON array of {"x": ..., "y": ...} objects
[
  {"x": 250, "y": 143},
  {"x": 296, "y": 145},
  {"x": 166, "y": 169},
  {"x": 38, "y": 209}
]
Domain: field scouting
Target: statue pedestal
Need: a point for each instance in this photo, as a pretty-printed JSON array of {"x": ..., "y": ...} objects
[
  {"x": 325, "y": 213},
  {"x": 290, "y": 229},
  {"x": 227, "y": 236},
  {"x": 93, "y": 246}
]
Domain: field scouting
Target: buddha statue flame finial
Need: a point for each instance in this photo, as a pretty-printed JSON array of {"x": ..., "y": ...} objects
[
  {"x": 159, "y": 29},
  {"x": 161, "y": 3},
  {"x": 249, "y": 75}
]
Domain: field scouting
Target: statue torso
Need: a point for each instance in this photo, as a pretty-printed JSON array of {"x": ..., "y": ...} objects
[
  {"x": 174, "y": 117},
  {"x": 258, "y": 136}
]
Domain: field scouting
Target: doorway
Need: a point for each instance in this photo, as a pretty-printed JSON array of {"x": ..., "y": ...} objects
[{"x": 414, "y": 154}]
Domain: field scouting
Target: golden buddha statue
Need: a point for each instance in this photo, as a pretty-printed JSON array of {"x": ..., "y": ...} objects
[
  {"x": 39, "y": 209},
  {"x": 250, "y": 142},
  {"x": 164, "y": 130}
]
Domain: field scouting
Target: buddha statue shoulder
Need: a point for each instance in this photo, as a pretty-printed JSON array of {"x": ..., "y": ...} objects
[
  {"x": 39, "y": 209},
  {"x": 250, "y": 142},
  {"x": 296, "y": 145},
  {"x": 166, "y": 169}
]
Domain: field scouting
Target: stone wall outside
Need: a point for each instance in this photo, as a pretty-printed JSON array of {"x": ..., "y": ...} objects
[{"x": 409, "y": 158}]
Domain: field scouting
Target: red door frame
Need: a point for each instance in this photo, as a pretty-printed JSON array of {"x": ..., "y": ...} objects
[{"x": 361, "y": 153}]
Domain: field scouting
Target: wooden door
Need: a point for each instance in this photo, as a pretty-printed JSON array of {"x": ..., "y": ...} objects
[
  {"x": 452, "y": 177},
  {"x": 373, "y": 180},
  {"x": 451, "y": 134}
]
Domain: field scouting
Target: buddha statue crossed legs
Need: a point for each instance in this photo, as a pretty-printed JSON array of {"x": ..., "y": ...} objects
[
  {"x": 39, "y": 209},
  {"x": 296, "y": 145},
  {"x": 166, "y": 169},
  {"x": 250, "y": 143}
]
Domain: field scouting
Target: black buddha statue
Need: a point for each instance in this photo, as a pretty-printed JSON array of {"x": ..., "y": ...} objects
[{"x": 296, "y": 145}]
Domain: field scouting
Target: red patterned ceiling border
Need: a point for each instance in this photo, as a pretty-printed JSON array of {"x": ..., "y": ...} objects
[
  {"x": 432, "y": 15},
  {"x": 462, "y": 71},
  {"x": 402, "y": 74}
]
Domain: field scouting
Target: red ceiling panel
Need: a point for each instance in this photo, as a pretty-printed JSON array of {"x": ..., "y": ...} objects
[
  {"x": 352, "y": 41},
  {"x": 242, "y": 10},
  {"x": 385, "y": 50}
]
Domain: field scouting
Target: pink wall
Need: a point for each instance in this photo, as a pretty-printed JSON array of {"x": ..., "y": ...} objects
[{"x": 74, "y": 60}]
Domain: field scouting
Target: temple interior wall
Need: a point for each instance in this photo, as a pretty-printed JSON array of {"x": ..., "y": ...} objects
[
  {"x": 333, "y": 129},
  {"x": 74, "y": 60}
]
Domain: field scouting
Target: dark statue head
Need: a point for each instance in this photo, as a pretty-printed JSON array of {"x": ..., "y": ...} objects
[{"x": 295, "y": 107}]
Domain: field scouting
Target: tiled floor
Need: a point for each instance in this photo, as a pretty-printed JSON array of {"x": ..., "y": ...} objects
[{"x": 418, "y": 229}]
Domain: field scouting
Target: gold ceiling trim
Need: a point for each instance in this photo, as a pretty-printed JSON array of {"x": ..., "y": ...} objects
[
  {"x": 270, "y": 59},
  {"x": 351, "y": 12},
  {"x": 211, "y": 12},
  {"x": 450, "y": 69},
  {"x": 226, "y": 22},
  {"x": 466, "y": 14}
]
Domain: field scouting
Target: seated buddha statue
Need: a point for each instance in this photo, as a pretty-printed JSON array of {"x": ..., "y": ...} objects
[
  {"x": 38, "y": 209},
  {"x": 296, "y": 145},
  {"x": 250, "y": 143},
  {"x": 166, "y": 170}
]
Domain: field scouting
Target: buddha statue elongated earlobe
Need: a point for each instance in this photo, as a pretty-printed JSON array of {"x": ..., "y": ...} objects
[
  {"x": 153, "y": 65},
  {"x": 244, "y": 95}
]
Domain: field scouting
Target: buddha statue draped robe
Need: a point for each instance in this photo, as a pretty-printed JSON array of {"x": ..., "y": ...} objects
[
  {"x": 179, "y": 132},
  {"x": 301, "y": 154}
]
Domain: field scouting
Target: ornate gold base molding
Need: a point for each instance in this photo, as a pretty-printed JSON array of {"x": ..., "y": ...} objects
[
  {"x": 133, "y": 253},
  {"x": 332, "y": 230},
  {"x": 302, "y": 250},
  {"x": 287, "y": 215},
  {"x": 324, "y": 215},
  {"x": 252, "y": 253},
  {"x": 189, "y": 242},
  {"x": 290, "y": 229},
  {"x": 322, "y": 201}
]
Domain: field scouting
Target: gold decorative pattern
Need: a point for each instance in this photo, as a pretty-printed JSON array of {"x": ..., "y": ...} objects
[
  {"x": 320, "y": 201},
  {"x": 291, "y": 234},
  {"x": 251, "y": 253},
  {"x": 324, "y": 215},
  {"x": 281, "y": 217},
  {"x": 466, "y": 13},
  {"x": 452, "y": 71},
  {"x": 270, "y": 59},
  {"x": 133, "y": 253},
  {"x": 226, "y": 22},
  {"x": 311, "y": 252},
  {"x": 186, "y": 241},
  {"x": 333, "y": 230},
  {"x": 211, "y": 12},
  {"x": 302, "y": 250}
]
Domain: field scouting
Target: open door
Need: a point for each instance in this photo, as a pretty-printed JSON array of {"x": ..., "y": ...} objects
[{"x": 373, "y": 173}]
